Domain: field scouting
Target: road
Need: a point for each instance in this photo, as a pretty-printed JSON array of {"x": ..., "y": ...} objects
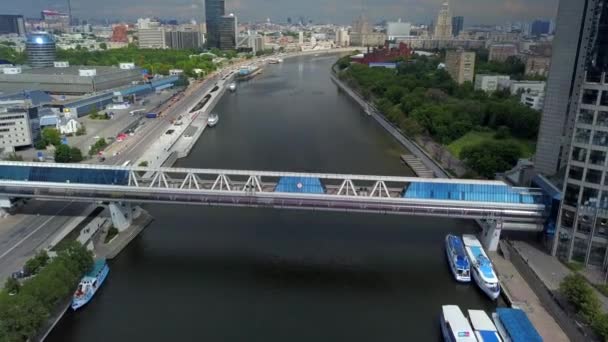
[{"x": 30, "y": 229}]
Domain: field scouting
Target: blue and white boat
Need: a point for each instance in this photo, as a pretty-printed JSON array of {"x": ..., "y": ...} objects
[
  {"x": 513, "y": 325},
  {"x": 457, "y": 258},
  {"x": 90, "y": 283},
  {"x": 454, "y": 325},
  {"x": 484, "y": 329},
  {"x": 482, "y": 269}
]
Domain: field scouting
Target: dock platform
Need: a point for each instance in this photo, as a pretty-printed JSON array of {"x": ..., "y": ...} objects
[{"x": 417, "y": 166}]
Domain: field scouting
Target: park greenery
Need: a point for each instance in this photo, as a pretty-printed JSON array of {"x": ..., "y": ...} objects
[
  {"x": 98, "y": 146},
  {"x": 156, "y": 61},
  {"x": 10, "y": 54},
  {"x": 580, "y": 295},
  {"x": 49, "y": 136},
  {"x": 67, "y": 154},
  {"x": 26, "y": 306},
  {"x": 422, "y": 99},
  {"x": 13, "y": 157}
]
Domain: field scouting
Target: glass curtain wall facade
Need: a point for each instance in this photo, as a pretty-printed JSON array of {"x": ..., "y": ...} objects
[
  {"x": 582, "y": 234},
  {"x": 214, "y": 11}
]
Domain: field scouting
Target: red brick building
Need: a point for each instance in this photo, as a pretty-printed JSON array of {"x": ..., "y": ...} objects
[
  {"x": 119, "y": 34},
  {"x": 385, "y": 54}
]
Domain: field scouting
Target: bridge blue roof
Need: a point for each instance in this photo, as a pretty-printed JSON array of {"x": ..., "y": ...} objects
[
  {"x": 309, "y": 185},
  {"x": 64, "y": 175},
  {"x": 496, "y": 193},
  {"x": 517, "y": 325}
]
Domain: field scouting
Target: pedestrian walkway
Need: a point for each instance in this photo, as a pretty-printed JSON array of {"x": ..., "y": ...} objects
[
  {"x": 550, "y": 270},
  {"x": 417, "y": 166},
  {"x": 522, "y": 296}
]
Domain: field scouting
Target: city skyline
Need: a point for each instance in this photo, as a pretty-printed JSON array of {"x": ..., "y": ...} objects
[{"x": 320, "y": 11}]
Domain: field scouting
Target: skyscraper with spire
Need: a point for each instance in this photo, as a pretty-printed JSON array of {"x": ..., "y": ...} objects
[{"x": 443, "y": 26}]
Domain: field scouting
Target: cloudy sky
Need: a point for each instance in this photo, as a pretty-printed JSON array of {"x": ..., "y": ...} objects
[{"x": 320, "y": 11}]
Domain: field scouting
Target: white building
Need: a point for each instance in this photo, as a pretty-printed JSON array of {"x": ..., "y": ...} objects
[
  {"x": 398, "y": 30},
  {"x": 15, "y": 128},
  {"x": 153, "y": 38},
  {"x": 147, "y": 23},
  {"x": 491, "y": 83},
  {"x": 301, "y": 38},
  {"x": 342, "y": 37},
  {"x": 68, "y": 125},
  {"x": 534, "y": 100},
  {"x": 527, "y": 86}
]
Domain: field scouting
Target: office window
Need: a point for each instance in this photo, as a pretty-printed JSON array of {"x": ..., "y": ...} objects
[
  {"x": 567, "y": 218},
  {"x": 602, "y": 118},
  {"x": 584, "y": 225},
  {"x": 600, "y": 138},
  {"x": 572, "y": 194},
  {"x": 604, "y": 98},
  {"x": 580, "y": 250},
  {"x": 576, "y": 172},
  {"x": 590, "y": 96},
  {"x": 590, "y": 197},
  {"x": 582, "y": 135},
  {"x": 597, "y": 157},
  {"x": 597, "y": 254},
  {"x": 585, "y": 116},
  {"x": 579, "y": 154},
  {"x": 593, "y": 176}
]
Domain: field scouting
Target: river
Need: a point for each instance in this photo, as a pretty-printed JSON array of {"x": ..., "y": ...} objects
[{"x": 234, "y": 274}]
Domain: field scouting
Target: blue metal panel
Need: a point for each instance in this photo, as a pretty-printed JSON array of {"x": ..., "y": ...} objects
[
  {"x": 517, "y": 325},
  {"x": 308, "y": 185},
  {"x": 468, "y": 192},
  {"x": 64, "y": 175}
]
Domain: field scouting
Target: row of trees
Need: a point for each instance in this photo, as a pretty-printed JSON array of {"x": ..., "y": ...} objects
[
  {"x": 28, "y": 306},
  {"x": 156, "y": 61},
  {"x": 420, "y": 98},
  {"x": 10, "y": 54},
  {"x": 63, "y": 153},
  {"x": 580, "y": 294}
]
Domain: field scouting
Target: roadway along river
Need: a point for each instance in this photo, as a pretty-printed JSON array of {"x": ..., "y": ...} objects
[{"x": 229, "y": 274}]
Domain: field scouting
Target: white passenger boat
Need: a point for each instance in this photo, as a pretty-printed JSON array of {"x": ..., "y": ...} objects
[
  {"x": 484, "y": 329},
  {"x": 213, "y": 119},
  {"x": 457, "y": 258},
  {"x": 232, "y": 87},
  {"x": 454, "y": 325},
  {"x": 90, "y": 283},
  {"x": 481, "y": 267}
]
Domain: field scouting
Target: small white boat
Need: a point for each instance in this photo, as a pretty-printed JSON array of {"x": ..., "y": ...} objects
[
  {"x": 457, "y": 258},
  {"x": 482, "y": 269},
  {"x": 232, "y": 87},
  {"x": 484, "y": 329},
  {"x": 213, "y": 119},
  {"x": 455, "y": 326},
  {"x": 90, "y": 283}
]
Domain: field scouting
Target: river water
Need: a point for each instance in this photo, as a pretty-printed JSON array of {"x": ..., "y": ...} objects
[{"x": 244, "y": 274}]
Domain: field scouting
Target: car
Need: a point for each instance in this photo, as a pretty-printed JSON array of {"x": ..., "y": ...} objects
[{"x": 22, "y": 273}]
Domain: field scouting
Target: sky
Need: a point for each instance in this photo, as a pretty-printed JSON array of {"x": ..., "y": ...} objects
[{"x": 320, "y": 11}]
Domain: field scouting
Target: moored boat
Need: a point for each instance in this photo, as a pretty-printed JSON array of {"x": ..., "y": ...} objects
[
  {"x": 513, "y": 325},
  {"x": 457, "y": 258},
  {"x": 454, "y": 325},
  {"x": 232, "y": 87},
  {"x": 213, "y": 119},
  {"x": 484, "y": 329},
  {"x": 481, "y": 267},
  {"x": 90, "y": 283}
]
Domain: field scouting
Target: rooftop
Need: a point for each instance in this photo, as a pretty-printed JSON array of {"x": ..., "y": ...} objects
[{"x": 72, "y": 70}]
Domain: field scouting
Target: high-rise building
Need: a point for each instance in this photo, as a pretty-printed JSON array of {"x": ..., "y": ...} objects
[
  {"x": 397, "y": 30},
  {"x": 12, "y": 24},
  {"x": 362, "y": 34},
  {"x": 152, "y": 38},
  {"x": 540, "y": 27},
  {"x": 227, "y": 32},
  {"x": 342, "y": 37},
  {"x": 460, "y": 65},
  {"x": 566, "y": 75},
  {"x": 443, "y": 26},
  {"x": 457, "y": 25},
  {"x": 183, "y": 39},
  {"x": 214, "y": 11},
  {"x": 500, "y": 52},
  {"x": 301, "y": 38},
  {"x": 582, "y": 227},
  {"x": 40, "y": 48},
  {"x": 119, "y": 34}
]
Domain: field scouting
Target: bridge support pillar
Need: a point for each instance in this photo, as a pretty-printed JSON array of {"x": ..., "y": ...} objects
[
  {"x": 491, "y": 234},
  {"x": 121, "y": 214}
]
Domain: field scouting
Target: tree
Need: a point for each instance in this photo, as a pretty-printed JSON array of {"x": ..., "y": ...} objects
[
  {"x": 143, "y": 163},
  {"x": 62, "y": 154},
  {"x": 75, "y": 155},
  {"x": 489, "y": 157},
  {"x": 51, "y": 136},
  {"x": 13, "y": 157},
  {"x": 12, "y": 285},
  {"x": 103, "y": 46},
  {"x": 36, "y": 263},
  {"x": 82, "y": 130},
  {"x": 99, "y": 145}
]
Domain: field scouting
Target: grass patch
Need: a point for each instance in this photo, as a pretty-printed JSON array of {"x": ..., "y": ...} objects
[
  {"x": 575, "y": 266},
  {"x": 474, "y": 137},
  {"x": 112, "y": 232},
  {"x": 602, "y": 288}
]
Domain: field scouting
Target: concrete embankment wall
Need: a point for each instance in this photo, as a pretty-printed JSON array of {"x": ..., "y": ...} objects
[
  {"x": 548, "y": 299},
  {"x": 409, "y": 144}
]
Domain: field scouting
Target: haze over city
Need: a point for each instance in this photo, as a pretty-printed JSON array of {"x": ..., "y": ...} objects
[{"x": 320, "y": 11}]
